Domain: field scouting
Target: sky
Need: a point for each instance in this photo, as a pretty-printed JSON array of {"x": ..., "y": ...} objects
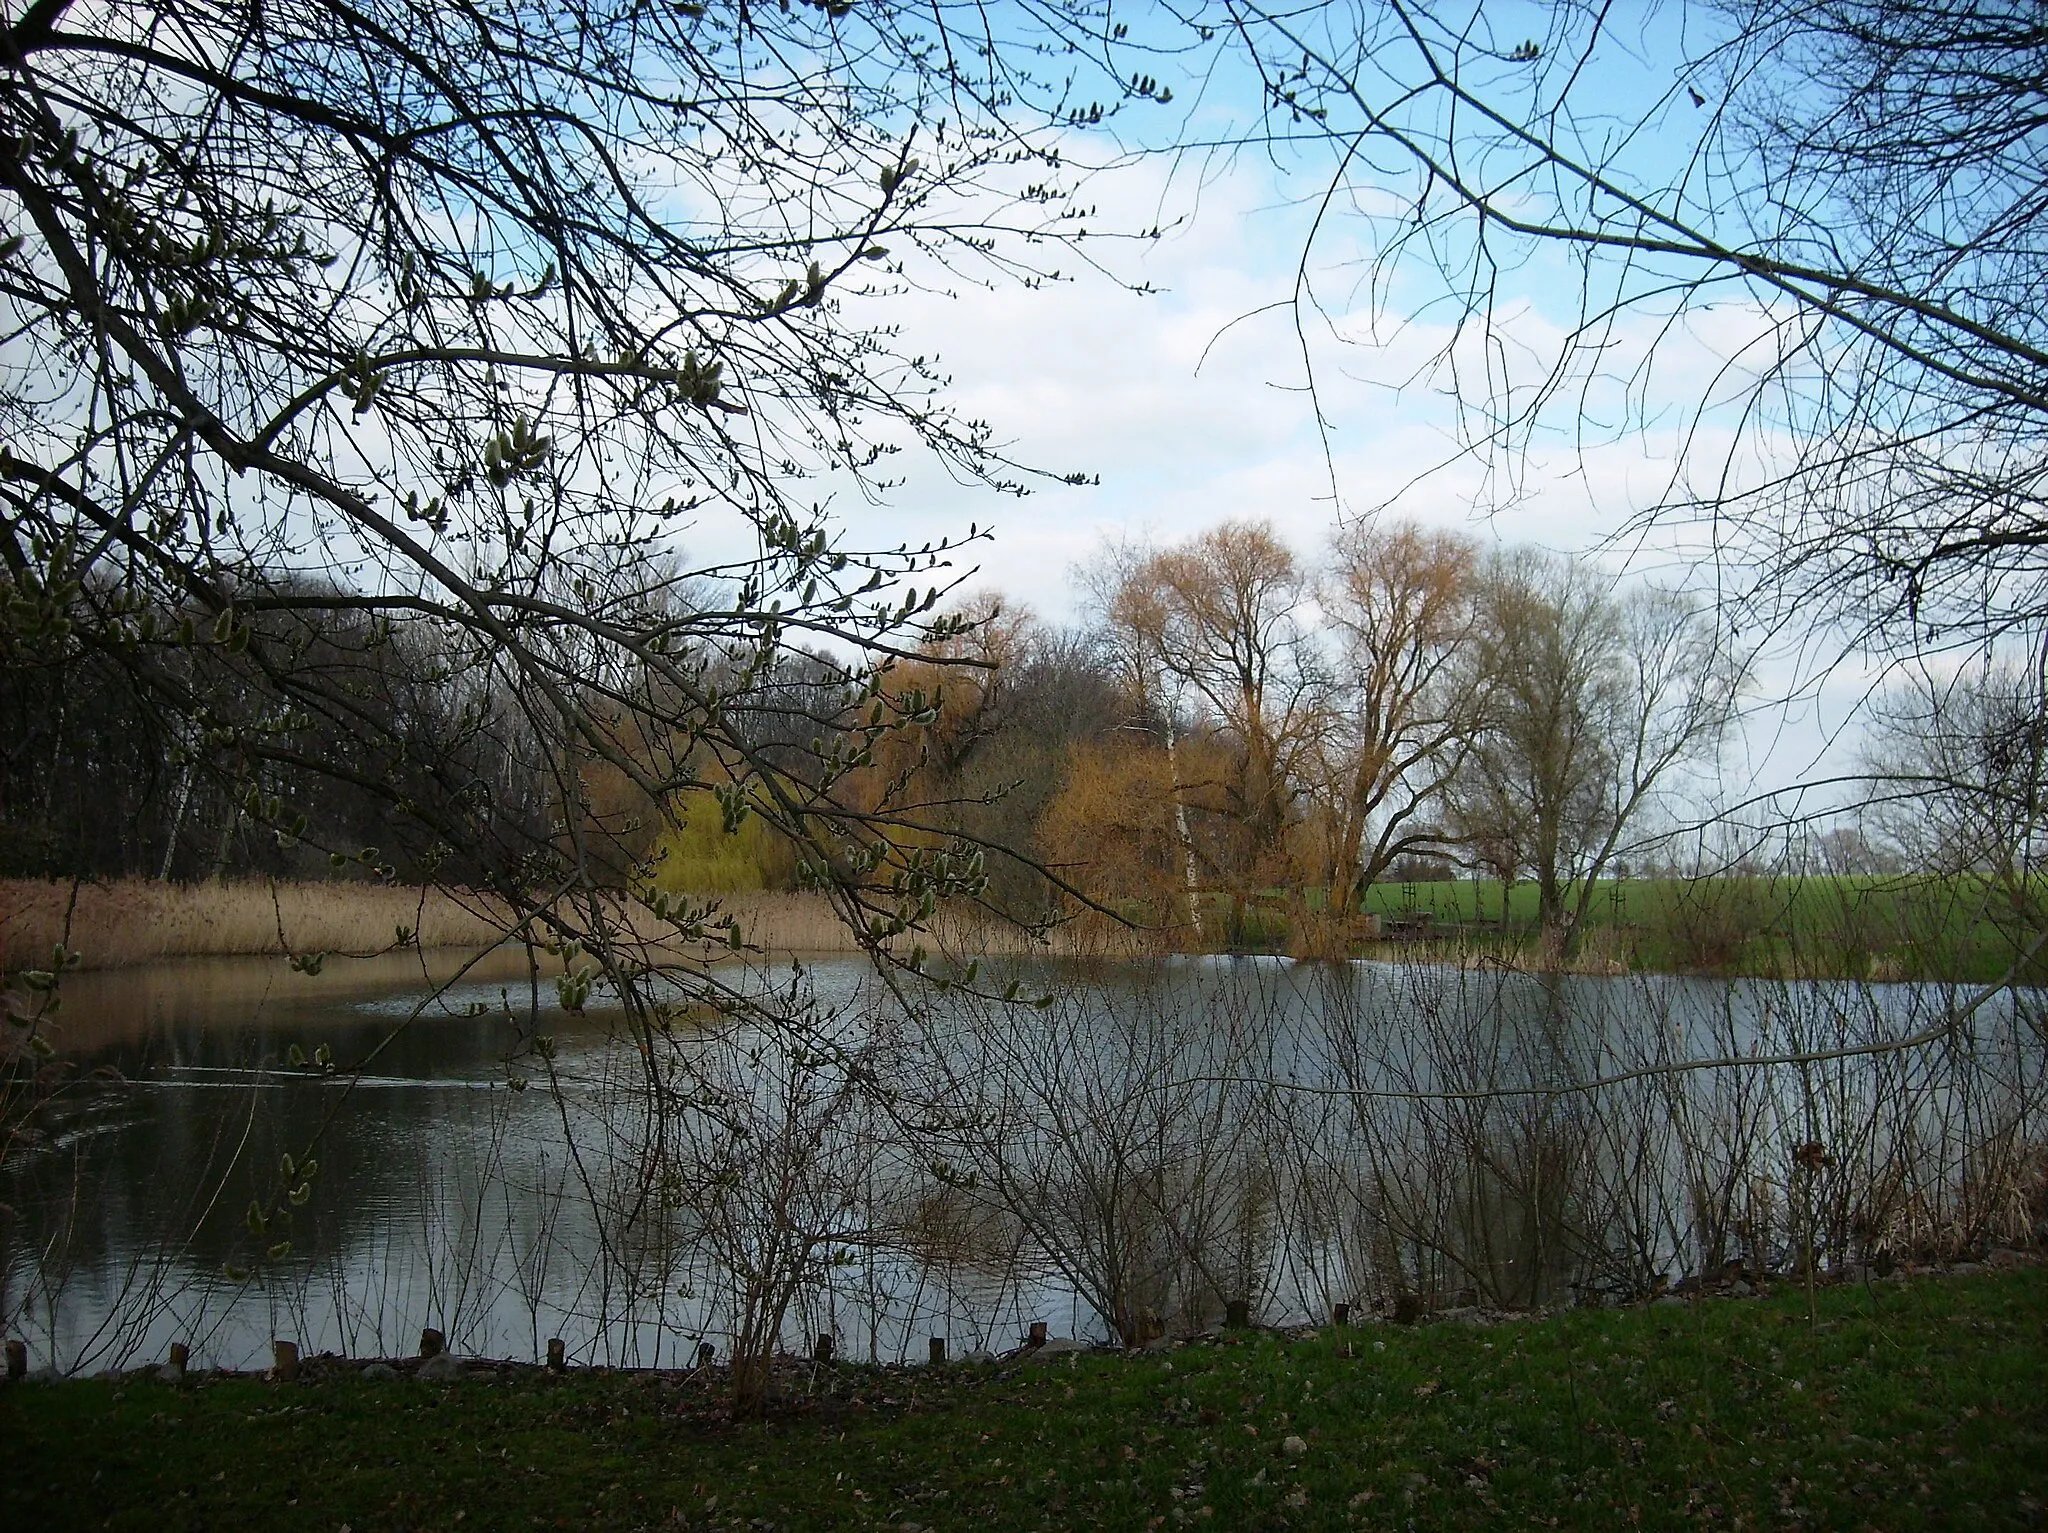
[
  {"x": 1188, "y": 403},
  {"x": 1174, "y": 372},
  {"x": 1190, "y": 400}
]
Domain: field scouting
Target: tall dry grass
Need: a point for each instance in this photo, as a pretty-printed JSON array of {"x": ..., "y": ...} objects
[
  {"x": 807, "y": 923},
  {"x": 136, "y": 921}
]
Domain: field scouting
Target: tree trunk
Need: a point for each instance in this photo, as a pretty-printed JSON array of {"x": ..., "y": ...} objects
[
  {"x": 163, "y": 875},
  {"x": 1186, "y": 841},
  {"x": 1553, "y": 922}
]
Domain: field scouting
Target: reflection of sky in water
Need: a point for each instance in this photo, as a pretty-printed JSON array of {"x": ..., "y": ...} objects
[{"x": 446, "y": 1197}]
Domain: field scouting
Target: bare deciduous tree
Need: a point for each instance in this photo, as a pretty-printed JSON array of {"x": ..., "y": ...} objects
[
  {"x": 1591, "y": 703},
  {"x": 1399, "y": 602},
  {"x": 1219, "y": 616},
  {"x": 334, "y": 325},
  {"x": 1851, "y": 192},
  {"x": 1959, "y": 767}
]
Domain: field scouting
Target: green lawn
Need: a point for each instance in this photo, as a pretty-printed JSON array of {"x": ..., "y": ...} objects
[
  {"x": 1922, "y": 1405},
  {"x": 1916, "y": 927}
]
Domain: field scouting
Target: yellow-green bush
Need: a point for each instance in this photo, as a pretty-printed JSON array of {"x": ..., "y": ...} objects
[{"x": 697, "y": 855}]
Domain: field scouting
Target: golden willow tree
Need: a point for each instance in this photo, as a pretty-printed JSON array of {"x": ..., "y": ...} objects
[{"x": 1797, "y": 244}]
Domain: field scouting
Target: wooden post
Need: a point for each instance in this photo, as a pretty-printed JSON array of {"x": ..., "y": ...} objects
[
  {"x": 558, "y": 1355},
  {"x": 705, "y": 1352},
  {"x": 1237, "y": 1314},
  {"x": 822, "y": 1353},
  {"x": 284, "y": 1361},
  {"x": 180, "y": 1356},
  {"x": 1343, "y": 1314},
  {"x": 1038, "y": 1333},
  {"x": 938, "y": 1349},
  {"x": 432, "y": 1343},
  {"x": 17, "y": 1359}
]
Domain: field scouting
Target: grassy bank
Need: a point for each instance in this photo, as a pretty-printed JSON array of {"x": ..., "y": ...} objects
[
  {"x": 1917, "y": 1405},
  {"x": 1908, "y": 927}
]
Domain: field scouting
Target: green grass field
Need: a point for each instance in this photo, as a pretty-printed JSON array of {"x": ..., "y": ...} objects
[
  {"x": 1888, "y": 928},
  {"x": 1916, "y": 1405}
]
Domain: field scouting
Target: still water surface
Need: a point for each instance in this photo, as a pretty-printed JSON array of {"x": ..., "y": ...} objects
[{"x": 446, "y": 1197}]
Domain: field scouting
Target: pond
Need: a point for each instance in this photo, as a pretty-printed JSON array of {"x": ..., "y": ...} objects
[{"x": 1157, "y": 1138}]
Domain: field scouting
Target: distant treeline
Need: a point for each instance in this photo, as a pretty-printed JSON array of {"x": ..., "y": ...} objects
[
  {"x": 138, "y": 761},
  {"x": 1236, "y": 741}
]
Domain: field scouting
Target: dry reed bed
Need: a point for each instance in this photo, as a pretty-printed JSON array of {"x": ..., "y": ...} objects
[{"x": 138, "y": 921}]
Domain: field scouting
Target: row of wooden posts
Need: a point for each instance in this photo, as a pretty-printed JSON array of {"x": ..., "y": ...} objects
[
  {"x": 285, "y": 1354},
  {"x": 1237, "y": 1315}
]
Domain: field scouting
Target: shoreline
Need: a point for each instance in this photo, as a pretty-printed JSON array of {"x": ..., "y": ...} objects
[
  {"x": 137, "y": 923},
  {"x": 133, "y": 923},
  {"x": 1429, "y": 1314},
  {"x": 1905, "y": 1399}
]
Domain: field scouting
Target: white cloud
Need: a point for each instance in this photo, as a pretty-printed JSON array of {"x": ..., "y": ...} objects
[{"x": 1190, "y": 404}]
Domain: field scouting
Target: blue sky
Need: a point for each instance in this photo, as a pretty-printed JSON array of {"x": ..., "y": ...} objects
[{"x": 1190, "y": 401}]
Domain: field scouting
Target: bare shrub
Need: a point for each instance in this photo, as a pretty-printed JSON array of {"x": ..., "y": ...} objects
[
  {"x": 771, "y": 1167},
  {"x": 1121, "y": 1137},
  {"x": 1706, "y": 924}
]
